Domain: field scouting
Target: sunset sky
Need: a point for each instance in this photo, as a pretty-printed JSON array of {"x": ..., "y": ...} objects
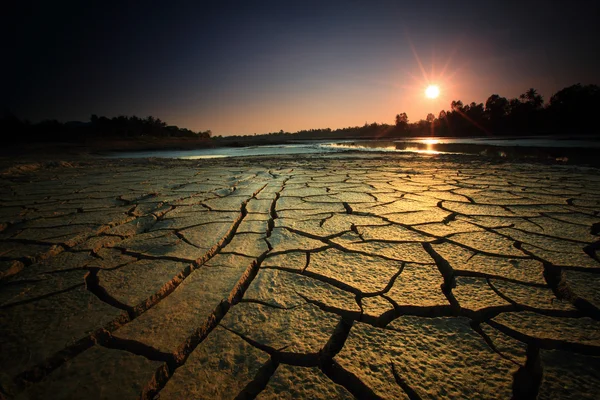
[{"x": 246, "y": 67}]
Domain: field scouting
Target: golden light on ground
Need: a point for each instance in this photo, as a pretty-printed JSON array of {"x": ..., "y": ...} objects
[{"x": 432, "y": 92}]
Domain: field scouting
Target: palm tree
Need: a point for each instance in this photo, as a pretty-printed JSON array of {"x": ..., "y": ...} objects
[{"x": 533, "y": 98}]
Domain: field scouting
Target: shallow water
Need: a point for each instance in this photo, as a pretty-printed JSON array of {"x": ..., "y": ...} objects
[
  {"x": 519, "y": 142},
  {"x": 222, "y": 152},
  {"x": 484, "y": 146}
]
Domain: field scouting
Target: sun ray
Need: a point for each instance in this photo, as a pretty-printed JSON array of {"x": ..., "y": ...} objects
[
  {"x": 432, "y": 63},
  {"x": 449, "y": 61},
  {"x": 465, "y": 116},
  {"x": 414, "y": 78},
  {"x": 418, "y": 59},
  {"x": 457, "y": 70}
]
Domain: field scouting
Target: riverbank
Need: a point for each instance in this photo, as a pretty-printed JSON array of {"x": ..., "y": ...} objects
[{"x": 533, "y": 150}]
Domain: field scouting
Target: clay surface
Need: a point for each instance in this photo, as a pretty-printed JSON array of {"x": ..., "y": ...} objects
[{"x": 300, "y": 277}]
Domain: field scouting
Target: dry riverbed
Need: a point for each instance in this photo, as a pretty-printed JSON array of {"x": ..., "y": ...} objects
[{"x": 299, "y": 277}]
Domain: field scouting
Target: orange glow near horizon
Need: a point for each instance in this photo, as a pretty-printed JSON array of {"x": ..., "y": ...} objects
[{"x": 342, "y": 103}]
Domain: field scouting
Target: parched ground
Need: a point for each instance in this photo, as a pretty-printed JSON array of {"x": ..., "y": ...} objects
[{"x": 323, "y": 277}]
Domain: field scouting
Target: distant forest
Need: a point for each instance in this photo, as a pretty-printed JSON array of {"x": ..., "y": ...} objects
[
  {"x": 121, "y": 127},
  {"x": 569, "y": 112}
]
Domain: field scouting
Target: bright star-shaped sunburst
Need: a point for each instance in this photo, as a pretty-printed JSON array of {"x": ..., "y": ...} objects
[{"x": 432, "y": 91}]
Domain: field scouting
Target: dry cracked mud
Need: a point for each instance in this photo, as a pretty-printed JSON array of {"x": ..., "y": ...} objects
[{"x": 322, "y": 277}]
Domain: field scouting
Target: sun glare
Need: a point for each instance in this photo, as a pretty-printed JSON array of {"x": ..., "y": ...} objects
[
  {"x": 430, "y": 141},
  {"x": 432, "y": 91}
]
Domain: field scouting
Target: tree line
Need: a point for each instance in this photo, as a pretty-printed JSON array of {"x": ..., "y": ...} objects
[
  {"x": 569, "y": 112},
  {"x": 121, "y": 127}
]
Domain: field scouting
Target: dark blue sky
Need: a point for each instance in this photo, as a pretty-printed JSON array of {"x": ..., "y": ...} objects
[{"x": 244, "y": 67}]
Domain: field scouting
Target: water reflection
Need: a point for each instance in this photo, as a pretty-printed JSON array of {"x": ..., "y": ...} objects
[
  {"x": 205, "y": 156},
  {"x": 366, "y": 145},
  {"x": 554, "y": 150},
  {"x": 522, "y": 149},
  {"x": 425, "y": 146},
  {"x": 430, "y": 141}
]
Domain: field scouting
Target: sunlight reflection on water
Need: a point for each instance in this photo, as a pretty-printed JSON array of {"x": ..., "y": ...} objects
[
  {"x": 205, "y": 156},
  {"x": 425, "y": 146},
  {"x": 360, "y": 146}
]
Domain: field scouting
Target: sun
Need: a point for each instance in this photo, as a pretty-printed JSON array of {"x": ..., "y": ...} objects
[{"x": 432, "y": 91}]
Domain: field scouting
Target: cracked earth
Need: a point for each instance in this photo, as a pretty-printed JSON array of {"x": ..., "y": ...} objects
[{"x": 403, "y": 277}]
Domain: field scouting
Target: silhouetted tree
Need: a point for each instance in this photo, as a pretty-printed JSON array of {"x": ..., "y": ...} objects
[
  {"x": 571, "y": 109},
  {"x": 475, "y": 112},
  {"x": 456, "y": 122},
  {"x": 456, "y": 105},
  {"x": 525, "y": 113},
  {"x": 402, "y": 123},
  {"x": 532, "y": 98},
  {"x": 401, "y": 119},
  {"x": 496, "y": 108}
]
